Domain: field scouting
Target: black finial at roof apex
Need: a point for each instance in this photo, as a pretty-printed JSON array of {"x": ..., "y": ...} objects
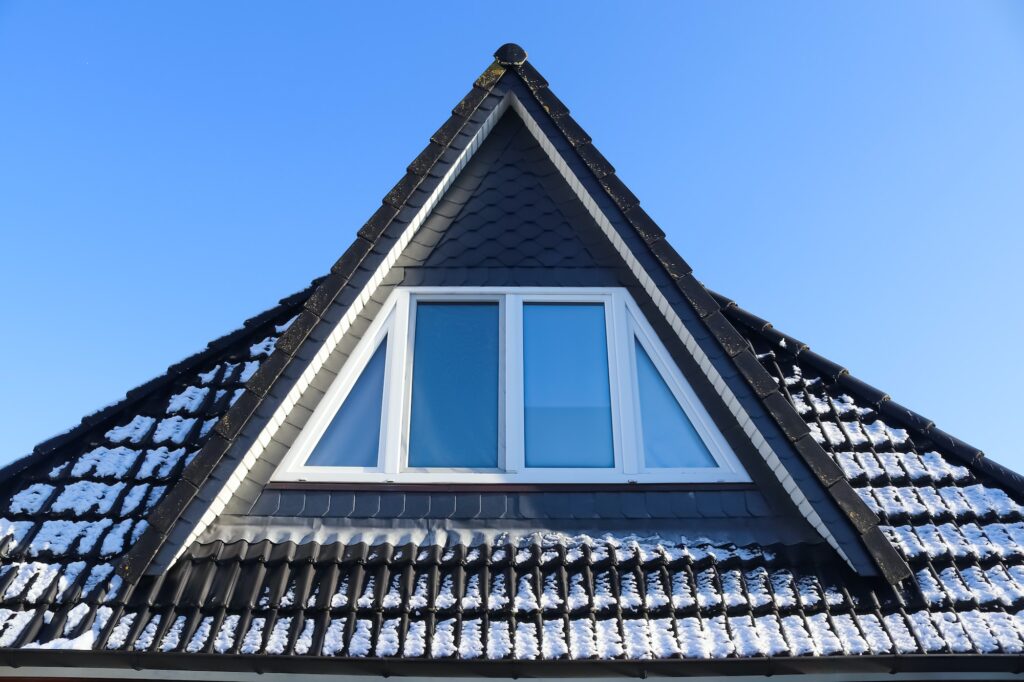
[{"x": 510, "y": 54}]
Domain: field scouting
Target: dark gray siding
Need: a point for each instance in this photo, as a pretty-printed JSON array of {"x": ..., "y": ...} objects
[
  {"x": 692, "y": 504},
  {"x": 511, "y": 220}
]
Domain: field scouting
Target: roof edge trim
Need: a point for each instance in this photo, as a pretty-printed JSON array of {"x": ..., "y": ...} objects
[{"x": 762, "y": 446}]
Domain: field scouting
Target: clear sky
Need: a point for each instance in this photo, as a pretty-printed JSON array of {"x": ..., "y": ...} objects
[{"x": 853, "y": 172}]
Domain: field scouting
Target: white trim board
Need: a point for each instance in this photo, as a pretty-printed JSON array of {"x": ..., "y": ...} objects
[
  {"x": 625, "y": 326},
  {"x": 277, "y": 419}
]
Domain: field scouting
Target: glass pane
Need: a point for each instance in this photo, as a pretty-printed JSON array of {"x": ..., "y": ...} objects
[
  {"x": 568, "y": 402},
  {"x": 353, "y": 437},
  {"x": 454, "y": 420},
  {"x": 669, "y": 437}
]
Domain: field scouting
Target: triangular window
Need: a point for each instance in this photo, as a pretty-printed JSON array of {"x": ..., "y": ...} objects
[
  {"x": 353, "y": 437},
  {"x": 507, "y": 385},
  {"x": 669, "y": 437}
]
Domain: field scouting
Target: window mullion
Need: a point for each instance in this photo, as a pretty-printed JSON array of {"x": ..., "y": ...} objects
[
  {"x": 399, "y": 341},
  {"x": 624, "y": 386},
  {"x": 513, "y": 398}
]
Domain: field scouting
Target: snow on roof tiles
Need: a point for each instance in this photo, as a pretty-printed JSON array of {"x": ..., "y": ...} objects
[
  {"x": 954, "y": 518},
  {"x": 65, "y": 521}
]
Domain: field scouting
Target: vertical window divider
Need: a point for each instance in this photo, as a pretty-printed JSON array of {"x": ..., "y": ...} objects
[
  {"x": 623, "y": 386},
  {"x": 515, "y": 424},
  {"x": 397, "y": 386}
]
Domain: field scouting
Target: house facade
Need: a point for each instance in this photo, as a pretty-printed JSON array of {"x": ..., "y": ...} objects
[{"x": 509, "y": 434}]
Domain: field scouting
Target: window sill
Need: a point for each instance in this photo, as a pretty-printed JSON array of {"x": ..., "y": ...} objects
[{"x": 506, "y": 487}]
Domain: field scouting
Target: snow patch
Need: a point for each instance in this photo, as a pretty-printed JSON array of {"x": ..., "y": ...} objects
[
  {"x": 264, "y": 347},
  {"x": 120, "y": 632},
  {"x": 304, "y": 641},
  {"x": 134, "y": 431},
  {"x": 174, "y": 429},
  {"x": 173, "y": 635},
  {"x": 189, "y": 400},
  {"x": 83, "y": 496},
  {"x": 443, "y": 643},
  {"x": 29, "y": 500},
  {"x": 334, "y": 637},
  {"x": 360, "y": 642},
  {"x": 526, "y": 641},
  {"x": 147, "y": 635},
  {"x": 253, "y": 639},
  {"x": 470, "y": 643},
  {"x": 226, "y": 636},
  {"x": 278, "y": 640},
  {"x": 160, "y": 462},
  {"x": 387, "y": 640},
  {"x": 202, "y": 633}
]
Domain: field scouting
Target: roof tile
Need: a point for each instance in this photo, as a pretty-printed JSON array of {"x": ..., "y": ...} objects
[{"x": 917, "y": 494}]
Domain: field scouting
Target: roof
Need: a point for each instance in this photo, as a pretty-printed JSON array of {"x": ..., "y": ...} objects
[{"x": 90, "y": 514}]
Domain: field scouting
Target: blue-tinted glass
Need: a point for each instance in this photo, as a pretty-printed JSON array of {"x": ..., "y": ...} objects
[
  {"x": 454, "y": 420},
  {"x": 669, "y": 438},
  {"x": 567, "y": 399},
  {"x": 353, "y": 437}
]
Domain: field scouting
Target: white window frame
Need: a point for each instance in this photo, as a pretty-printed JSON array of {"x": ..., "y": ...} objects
[{"x": 396, "y": 324}]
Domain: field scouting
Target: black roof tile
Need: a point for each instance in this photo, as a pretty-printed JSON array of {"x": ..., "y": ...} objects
[
  {"x": 447, "y": 133},
  {"x": 917, "y": 494}
]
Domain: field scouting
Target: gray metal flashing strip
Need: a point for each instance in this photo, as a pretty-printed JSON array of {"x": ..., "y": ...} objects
[
  {"x": 42, "y": 664},
  {"x": 473, "y": 532}
]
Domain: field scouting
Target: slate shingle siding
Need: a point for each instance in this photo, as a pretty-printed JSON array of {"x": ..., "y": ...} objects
[
  {"x": 511, "y": 220},
  {"x": 512, "y": 210}
]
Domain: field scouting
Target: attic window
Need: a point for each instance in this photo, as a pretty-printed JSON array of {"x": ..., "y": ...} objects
[{"x": 509, "y": 385}]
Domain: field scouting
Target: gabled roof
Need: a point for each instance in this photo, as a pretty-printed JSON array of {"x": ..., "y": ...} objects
[
  {"x": 921, "y": 504},
  {"x": 511, "y": 83}
]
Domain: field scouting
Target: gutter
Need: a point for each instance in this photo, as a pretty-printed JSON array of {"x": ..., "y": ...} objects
[{"x": 100, "y": 665}]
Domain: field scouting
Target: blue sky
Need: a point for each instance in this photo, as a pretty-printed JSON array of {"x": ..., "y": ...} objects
[{"x": 853, "y": 172}]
